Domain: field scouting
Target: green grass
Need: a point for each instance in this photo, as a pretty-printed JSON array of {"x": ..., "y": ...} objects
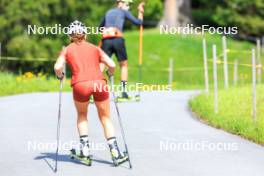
[
  {"x": 12, "y": 84},
  {"x": 158, "y": 49},
  {"x": 235, "y": 112},
  {"x": 187, "y": 53}
]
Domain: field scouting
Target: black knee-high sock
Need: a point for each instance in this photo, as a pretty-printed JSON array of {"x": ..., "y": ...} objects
[{"x": 124, "y": 83}]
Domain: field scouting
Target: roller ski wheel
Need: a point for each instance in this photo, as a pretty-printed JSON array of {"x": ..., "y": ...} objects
[
  {"x": 87, "y": 160},
  {"x": 120, "y": 160}
]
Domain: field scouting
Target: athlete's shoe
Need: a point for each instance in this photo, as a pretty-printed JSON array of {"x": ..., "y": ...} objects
[
  {"x": 78, "y": 155},
  {"x": 125, "y": 95},
  {"x": 119, "y": 158}
]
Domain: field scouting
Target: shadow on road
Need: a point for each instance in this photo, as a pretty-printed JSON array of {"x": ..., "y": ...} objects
[{"x": 65, "y": 158}]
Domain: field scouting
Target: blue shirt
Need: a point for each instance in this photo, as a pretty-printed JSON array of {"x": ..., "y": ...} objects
[{"x": 116, "y": 18}]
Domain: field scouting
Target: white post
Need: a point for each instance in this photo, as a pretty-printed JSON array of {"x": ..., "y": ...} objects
[
  {"x": 254, "y": 87},
  {"x": 262, "y": 49},
  {"x": 262, "y": 42},
  {"x": 215, "y": 80},
  {"x": 206, "y": 77},
  {"x": 235, "y": 72},
  {"x": 259, "y": 60},
  {"x": 0, "y": 52},
  {"x": 170, "y": 72},
  {"x": 225, "y": 61}
]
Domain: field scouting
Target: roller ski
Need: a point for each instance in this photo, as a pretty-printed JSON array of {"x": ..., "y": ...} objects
[
  {"x": 117, "y": 156},
  {"x": 87, "y": 160},
  {"x": 126, "y": 98},
  {"x": 118, "y": 160},
  {"x": 83, "y": 152}
]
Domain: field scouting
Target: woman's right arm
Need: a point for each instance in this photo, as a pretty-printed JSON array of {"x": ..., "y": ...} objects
[
  {"x": 139, "y": 20},
  {"x": 134, "y": 20},
  {"x": 58, "y": 67}
]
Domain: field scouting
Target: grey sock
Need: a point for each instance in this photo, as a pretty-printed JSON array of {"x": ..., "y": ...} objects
[
  {"x": 114, "y": 147},
  {"x": 85, "y": 147}
]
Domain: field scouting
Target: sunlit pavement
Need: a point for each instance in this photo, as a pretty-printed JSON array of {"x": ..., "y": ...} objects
[{"x": 164, "y": 138}]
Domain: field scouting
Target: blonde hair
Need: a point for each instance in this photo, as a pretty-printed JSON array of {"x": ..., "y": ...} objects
[{"x": 76, "y": 38}]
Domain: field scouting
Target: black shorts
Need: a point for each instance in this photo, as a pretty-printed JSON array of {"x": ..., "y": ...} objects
[{"x": 115, "y": 46}]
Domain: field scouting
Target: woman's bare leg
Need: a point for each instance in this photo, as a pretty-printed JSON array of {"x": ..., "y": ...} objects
[
  {"x": 82, "y": 122},
  {"x": 103, "y": 108}
]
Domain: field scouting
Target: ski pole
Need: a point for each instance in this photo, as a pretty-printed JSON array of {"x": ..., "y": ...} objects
[
  {"x": 140, "y": 54},
  {"x": 58, "y": 126},
  {"x": 120, "y": 121},
  {"x": 141, "y": 29}
]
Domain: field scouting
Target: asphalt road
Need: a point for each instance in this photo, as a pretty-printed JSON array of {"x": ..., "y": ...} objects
[{"x": 163, "y": 137}]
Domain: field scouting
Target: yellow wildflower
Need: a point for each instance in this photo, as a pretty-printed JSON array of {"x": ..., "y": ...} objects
[{"x": 29, "y": 75}]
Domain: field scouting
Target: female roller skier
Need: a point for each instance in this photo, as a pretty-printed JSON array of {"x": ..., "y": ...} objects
[
  {"x": 84, "y": 59},
  {"x": 112, "y": 39}
]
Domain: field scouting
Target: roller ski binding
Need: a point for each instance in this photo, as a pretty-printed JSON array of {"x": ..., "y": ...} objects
[
  {"x": 78, "y": 155},
  {"x": 117, "y": 156},
  {"x": 119, "y": 159}
]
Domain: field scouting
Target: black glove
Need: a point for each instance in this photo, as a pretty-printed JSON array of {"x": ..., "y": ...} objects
[{"x": 61, "y": 77}]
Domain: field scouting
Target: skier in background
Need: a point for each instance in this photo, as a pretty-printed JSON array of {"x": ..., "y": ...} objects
[{"x": 112, "y": 39}]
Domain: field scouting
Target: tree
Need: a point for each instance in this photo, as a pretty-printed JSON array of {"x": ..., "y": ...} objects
[
  {"x": 16, "y": 15},
  {"x": 176, "y": 12},
  {"x": 246, "y": 15}
]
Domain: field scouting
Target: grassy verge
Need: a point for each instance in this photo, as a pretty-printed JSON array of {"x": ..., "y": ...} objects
[
  {"x": 235, "y": 112},
  {"x": 13, "y": 84}
]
